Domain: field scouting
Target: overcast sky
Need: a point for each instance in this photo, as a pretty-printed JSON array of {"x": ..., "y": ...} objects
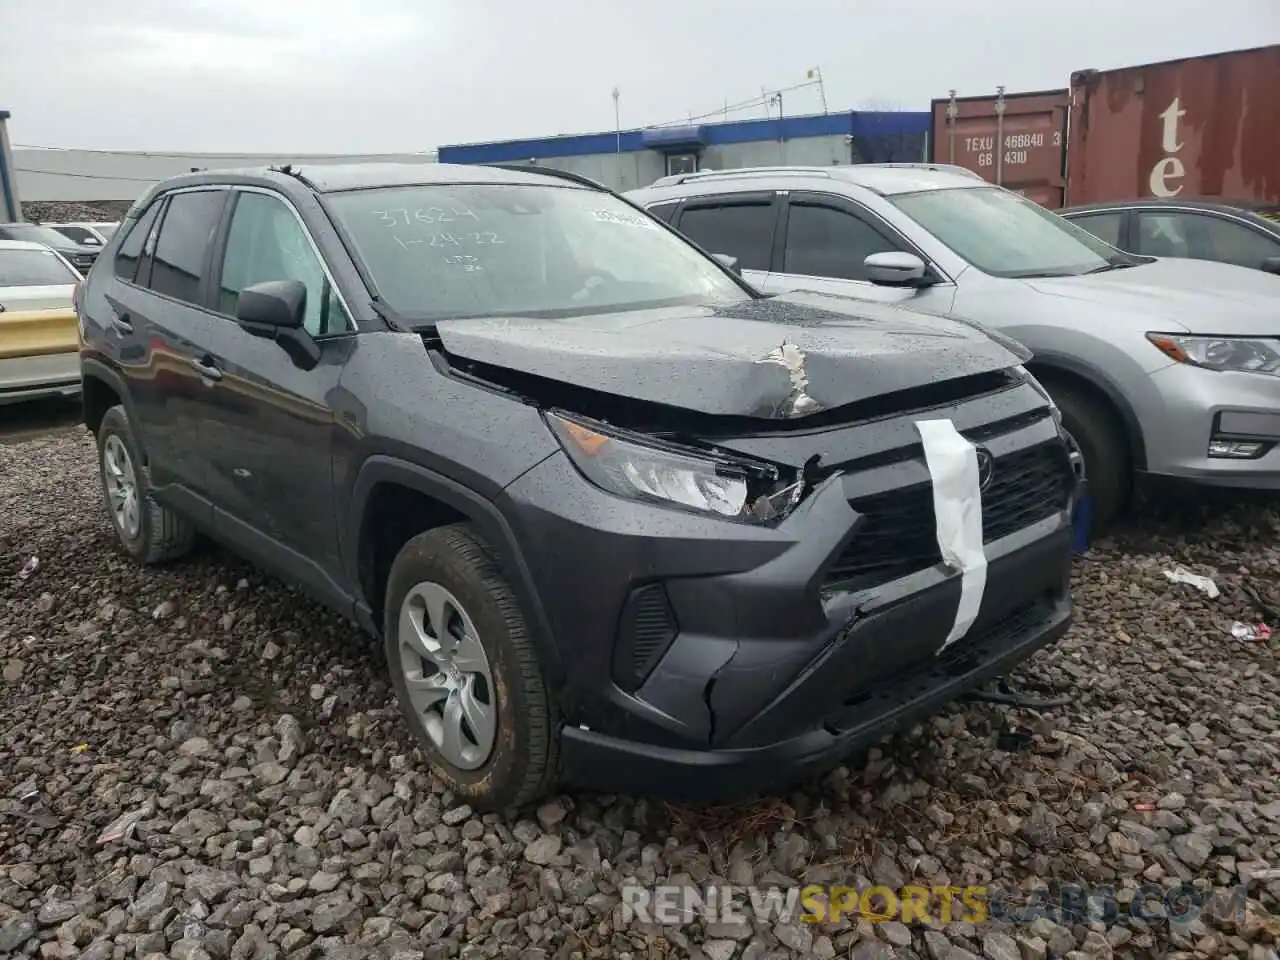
[{"x": 407, "y": 75}]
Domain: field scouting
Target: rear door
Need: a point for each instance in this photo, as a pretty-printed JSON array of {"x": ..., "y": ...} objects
[
  {"x": 742, "y": 225},
  {"x": 161, "y": 312},
  {"x": 823, "y": 241}
]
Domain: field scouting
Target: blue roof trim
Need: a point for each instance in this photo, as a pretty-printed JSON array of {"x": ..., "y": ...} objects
[{"x": 857, "y": 124}]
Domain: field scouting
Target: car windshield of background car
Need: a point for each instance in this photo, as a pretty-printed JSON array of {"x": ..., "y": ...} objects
[
  {"x": 1005, "y": 235},
  {"x": 34, "y": 268},
  {"x": 487, "y": 250}
]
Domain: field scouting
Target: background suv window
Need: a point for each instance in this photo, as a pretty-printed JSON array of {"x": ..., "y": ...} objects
[
  {"x": 185, "y": 237},
  {"x": 1203, "y": 237},
  {"x": 266, "y": 242},
  {"x": 825, "y": 242},
  {"x": 742, "y": 230}
]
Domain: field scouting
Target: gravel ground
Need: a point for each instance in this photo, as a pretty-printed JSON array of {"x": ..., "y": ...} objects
[
  {"x": 283, "y": 814},
  {"x": 69, "y": 211}
]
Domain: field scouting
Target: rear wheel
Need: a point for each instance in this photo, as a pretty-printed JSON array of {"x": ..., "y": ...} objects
[
  {"x": 1096, "y": 431},
  {"x": 146, "y": 531}
]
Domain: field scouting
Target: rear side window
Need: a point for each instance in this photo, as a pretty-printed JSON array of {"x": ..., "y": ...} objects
[
  {"x": 1104, "y": 226},
  {"x": 826, "y": 242},
  {"x": 33, "y": 268},
  {"x": 186, "y": 233},
  {"x": 742, "y": 230},
  {"x": 130, "y": 251}
]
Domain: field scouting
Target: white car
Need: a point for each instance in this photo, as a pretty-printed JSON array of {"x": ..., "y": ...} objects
[
  {"x": 39, "y": 332},
  {"x": 95, "y": 234}
]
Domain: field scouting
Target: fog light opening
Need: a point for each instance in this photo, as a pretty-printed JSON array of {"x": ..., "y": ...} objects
[{"x": 1220, "y": 449}]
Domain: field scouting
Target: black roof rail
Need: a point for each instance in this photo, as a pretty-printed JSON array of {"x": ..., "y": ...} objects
[{"x": 552, "y": 172}]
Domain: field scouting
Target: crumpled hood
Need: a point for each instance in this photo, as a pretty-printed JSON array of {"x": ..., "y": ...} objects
[
  {"x": 787, "y": 356},
  {"x": 1202, "y": 296}
]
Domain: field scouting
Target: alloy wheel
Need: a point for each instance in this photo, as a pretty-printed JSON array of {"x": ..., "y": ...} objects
[
  {"x": 122, "y": 486},
  {"x": 447, "y": 674}
]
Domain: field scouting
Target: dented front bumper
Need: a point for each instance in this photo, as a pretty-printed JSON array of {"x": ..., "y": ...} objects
[{"x": 764, "y": 672}]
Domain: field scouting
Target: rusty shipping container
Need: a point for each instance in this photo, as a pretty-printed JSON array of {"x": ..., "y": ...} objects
[
  {"x": 1031, "y": 129},
  {"x": 1199, "y": 127}
]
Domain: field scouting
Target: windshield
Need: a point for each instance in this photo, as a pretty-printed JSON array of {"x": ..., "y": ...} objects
[
  {"x": 483, "y": 250},
  {"x": 1006, "y": 235},
  {"x": 34, "y": 268},
  {"x": 78, "y": 234},
  {"x": 29, "y": 231}
]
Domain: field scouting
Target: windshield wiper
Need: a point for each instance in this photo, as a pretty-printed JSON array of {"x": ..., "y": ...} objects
[{"x": 396, "y": 320}]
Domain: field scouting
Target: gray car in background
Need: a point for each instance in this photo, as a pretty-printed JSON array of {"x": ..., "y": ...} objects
[{"x": 1165, "y": 368}]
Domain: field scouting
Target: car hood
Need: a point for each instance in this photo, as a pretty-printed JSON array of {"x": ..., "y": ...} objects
[
  {"x": 786, "y": 356},
  {"x": 1202, "y": 296}
]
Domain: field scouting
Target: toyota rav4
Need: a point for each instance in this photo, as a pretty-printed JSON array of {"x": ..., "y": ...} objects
[{"x": 620, "y": 521}]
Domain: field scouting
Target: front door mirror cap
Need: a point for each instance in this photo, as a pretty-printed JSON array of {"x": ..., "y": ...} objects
[
  {"x": 276, "y": 304},
  {"x": 897, "y": 269},
  {"x": 1271, "y": 265}
]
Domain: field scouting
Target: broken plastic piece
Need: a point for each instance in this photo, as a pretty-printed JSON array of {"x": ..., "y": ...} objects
[
  {"x": 999, "y": 691},
  {"x": 123, "y": 825},
  {"x": 29, "y": 568},
  {"x": 1252, "y": 632},
  {"x": 1181, "y": 574},
  {"x": 957, "y": 506}
]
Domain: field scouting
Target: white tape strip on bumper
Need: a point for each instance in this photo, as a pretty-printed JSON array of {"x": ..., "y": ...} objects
[{"x": 957, "y": 505}]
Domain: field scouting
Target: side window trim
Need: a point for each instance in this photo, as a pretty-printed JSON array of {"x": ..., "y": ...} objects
[
  {"x": 155, "y": 210},
  {"x": 844, "y": 204},
  {"x": 749, "y": 198},
  {"x": 220, "y": 246}
]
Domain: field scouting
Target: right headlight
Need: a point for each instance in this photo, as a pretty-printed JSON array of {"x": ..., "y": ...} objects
[
  {"x": 640, "y": 469},
  {"x": 1241, "y": 354}
]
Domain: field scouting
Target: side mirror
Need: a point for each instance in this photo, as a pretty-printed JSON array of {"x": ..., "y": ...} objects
[
  {"x": 730, "y": 263},
  {"x": 274, "y": 304},
  {"x": 274, "y": 310},
  {"x": 895, "y": 269},
  {"x": 1271, "y": 265}
]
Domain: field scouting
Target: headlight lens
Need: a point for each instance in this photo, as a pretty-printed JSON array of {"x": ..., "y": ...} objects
[
  {"x": 640, "y": 471},
  {"x": 1243, "y": 354}
]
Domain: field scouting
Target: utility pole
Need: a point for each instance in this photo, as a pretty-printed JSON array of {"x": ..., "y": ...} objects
[{"x": 617, "y": 126}]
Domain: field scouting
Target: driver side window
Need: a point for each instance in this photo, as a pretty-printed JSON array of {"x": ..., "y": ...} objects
[{"x": 266, "y": 242}]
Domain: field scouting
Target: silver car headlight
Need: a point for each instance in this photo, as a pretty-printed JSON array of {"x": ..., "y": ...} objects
[
  {"x": 639, "y": 468},
  {"x": 1241, "y": 354}
]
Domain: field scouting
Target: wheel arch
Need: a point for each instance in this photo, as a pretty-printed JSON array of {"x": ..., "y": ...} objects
[
  {"x": 1048, "y": 367},
  {"x": 447, "y": 501}
]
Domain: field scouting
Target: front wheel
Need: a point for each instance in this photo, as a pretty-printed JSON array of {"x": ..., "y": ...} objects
[
  {"x": 466, "y": 672},
  {"x": 1097, "y": 433}
]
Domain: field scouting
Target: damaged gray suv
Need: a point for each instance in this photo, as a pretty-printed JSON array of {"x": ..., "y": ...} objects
[{"x": 620, "y": 521}]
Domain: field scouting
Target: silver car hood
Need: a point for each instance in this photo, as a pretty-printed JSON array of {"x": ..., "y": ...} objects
[{"x": 1199, "y": 295}]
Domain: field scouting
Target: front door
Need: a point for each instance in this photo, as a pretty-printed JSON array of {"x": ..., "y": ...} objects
[
  {"x": 270, "y": 428},
  {"x": 824, "y": 241}
]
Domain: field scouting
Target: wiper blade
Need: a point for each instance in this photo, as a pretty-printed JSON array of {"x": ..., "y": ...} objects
[{"x": 396, "y": 320}]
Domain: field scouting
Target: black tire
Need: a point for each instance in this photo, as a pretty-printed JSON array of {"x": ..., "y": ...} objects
[
  {"x": 162, "y": 534},
  {"x": 523, "y": 763},
  {"x": 1108, "y": 463}
]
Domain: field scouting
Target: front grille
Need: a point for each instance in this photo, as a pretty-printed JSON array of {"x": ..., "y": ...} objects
[{"x": 899, "y": 532}]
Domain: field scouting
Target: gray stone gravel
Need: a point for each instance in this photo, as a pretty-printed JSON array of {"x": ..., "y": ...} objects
[{"x": 283, "y": 813}]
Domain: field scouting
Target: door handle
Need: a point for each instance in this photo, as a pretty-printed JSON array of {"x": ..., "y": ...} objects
[
  {"x": 205, "y": 367},
  {"x": 122, "y": 322}
]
